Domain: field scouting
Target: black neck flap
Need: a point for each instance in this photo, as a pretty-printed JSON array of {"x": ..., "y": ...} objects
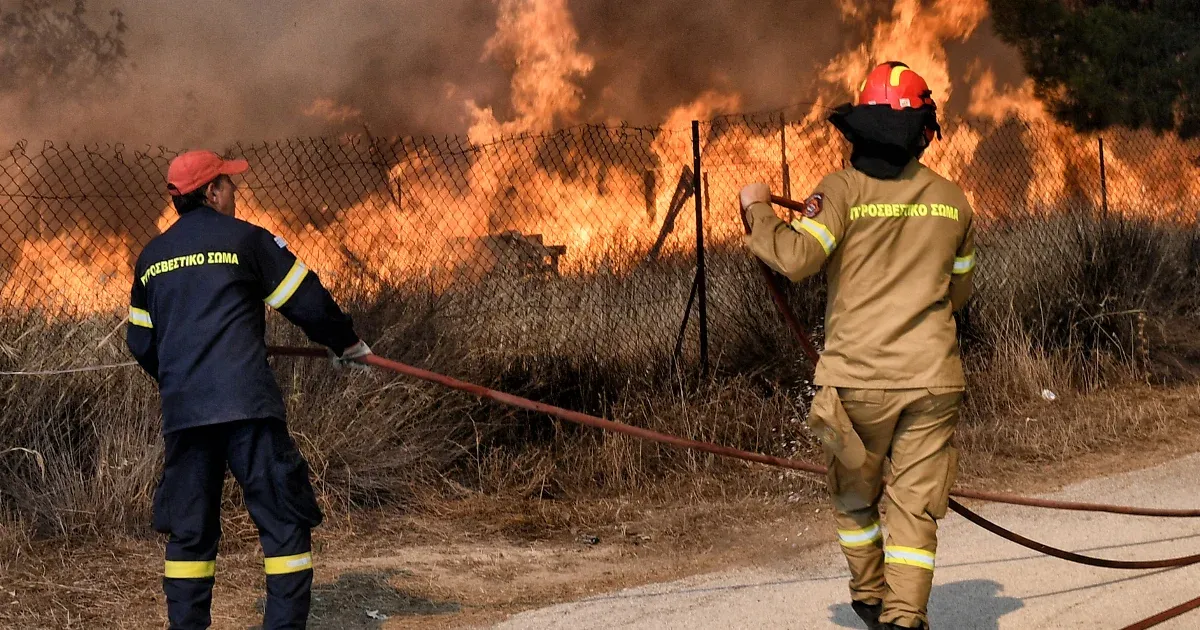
[{"x": 884, "y": 140}]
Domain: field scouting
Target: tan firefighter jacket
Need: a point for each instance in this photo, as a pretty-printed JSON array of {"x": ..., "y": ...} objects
[{"x": 900, "y": 258}]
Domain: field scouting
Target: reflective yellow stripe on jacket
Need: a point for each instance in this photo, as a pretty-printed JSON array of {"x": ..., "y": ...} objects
[
  {"x": 964, "y": 265},
  {"x": 287, "y": 288},
  {"x": 288, "y": 564},
  {"x": 183, "y": 570},
  {"x": 140, "y": 317},
  {"x": 818, "y": 231}
]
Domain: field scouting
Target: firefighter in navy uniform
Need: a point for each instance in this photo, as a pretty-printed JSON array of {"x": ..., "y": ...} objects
[
  {"x": 897, "y": 242},
  {"x": 197, "y": 326}
]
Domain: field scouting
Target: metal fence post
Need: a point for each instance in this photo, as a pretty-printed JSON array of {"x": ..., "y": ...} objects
[
  {"x": 1103, "y": 180},
  {"x": 702, "y": 289}
]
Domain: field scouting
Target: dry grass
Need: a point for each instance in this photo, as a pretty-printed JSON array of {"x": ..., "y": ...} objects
[
  {"x": 79, "y": 454},
  {"x": 1107, "y": 310}
]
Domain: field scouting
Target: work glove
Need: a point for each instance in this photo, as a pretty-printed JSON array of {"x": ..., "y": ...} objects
[
  {"x": 350, "y": 357},
  {"x": 750, "y": 195}
]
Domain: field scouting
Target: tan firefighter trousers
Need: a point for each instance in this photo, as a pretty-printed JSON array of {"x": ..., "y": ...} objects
[{"x": 911, "y": 428}]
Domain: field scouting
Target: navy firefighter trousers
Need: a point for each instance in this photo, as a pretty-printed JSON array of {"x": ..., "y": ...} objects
[{"x": 274, "y": 481}]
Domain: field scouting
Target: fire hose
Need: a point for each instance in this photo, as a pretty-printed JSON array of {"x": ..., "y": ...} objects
[{"x": 769, "y": 460}]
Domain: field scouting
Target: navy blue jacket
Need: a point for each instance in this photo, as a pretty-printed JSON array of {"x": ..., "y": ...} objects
[{"x": 197, "y": 317}]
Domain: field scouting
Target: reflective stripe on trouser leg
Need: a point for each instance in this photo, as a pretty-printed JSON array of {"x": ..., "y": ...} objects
[
  {"x": 923, "y": 465},
  {"x": 288, "y": 564},
  {"x": 909, "y": 573},
  {"x": 288, "y": 599},
  {"x": 275, "y": 484},
  {"x": 909, "y": 556},
  {"x": 189, "y": 569},
  {"x": 868, "y": 536},
  {"x": 188, "y": 587},
  {"x": 859, "y": 535},
  {"x": 289, "y": 589},
  {"x": 187, "y": 508},
  {"x": 863, "y": 548},
  {"x": 856, "y": 494}
]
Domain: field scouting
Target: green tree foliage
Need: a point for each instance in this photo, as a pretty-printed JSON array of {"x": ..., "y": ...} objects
[
  {"x": 1103, "y": 63},
  {"x": 50, "y": 48}
]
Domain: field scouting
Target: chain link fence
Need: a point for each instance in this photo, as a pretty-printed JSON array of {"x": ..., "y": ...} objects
[{"x": 577, "y": 242}]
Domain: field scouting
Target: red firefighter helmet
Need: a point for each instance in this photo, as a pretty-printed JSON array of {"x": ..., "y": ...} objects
[{"x": 895, "y": 84}]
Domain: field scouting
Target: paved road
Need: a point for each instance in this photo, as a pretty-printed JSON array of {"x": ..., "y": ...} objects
[{"x": 982, "y": 582}]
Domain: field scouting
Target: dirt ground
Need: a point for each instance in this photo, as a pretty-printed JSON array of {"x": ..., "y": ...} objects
[{"x": 475, "y": 561}]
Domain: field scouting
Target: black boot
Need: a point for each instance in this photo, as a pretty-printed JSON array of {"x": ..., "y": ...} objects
[
  {"x": 869, "y": 613},
  {"x": 892, "y": 626}
]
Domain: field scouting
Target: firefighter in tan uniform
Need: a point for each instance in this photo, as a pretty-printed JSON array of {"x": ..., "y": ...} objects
[{"x": 897, "y": 242}]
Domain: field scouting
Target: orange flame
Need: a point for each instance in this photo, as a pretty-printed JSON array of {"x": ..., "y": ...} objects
[
  {"x": 445, "y": 215},
  {"x": 539, "y": 39},
  {"x": 913, "y": 34}
]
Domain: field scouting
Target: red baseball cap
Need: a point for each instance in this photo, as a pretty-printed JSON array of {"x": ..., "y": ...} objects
[{"x": 191, "y": 170}]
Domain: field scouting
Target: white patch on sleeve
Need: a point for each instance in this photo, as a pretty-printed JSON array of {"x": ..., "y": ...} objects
[{"x": 280, "y": 242}]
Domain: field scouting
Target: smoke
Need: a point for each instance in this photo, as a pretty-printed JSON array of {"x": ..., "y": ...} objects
[
  {"x": 214, "y": 72},
  {"x": 655, "y": 56}
]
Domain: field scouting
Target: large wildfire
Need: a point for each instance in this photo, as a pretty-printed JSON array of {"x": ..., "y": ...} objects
[{"x": 578, "y": 194}]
